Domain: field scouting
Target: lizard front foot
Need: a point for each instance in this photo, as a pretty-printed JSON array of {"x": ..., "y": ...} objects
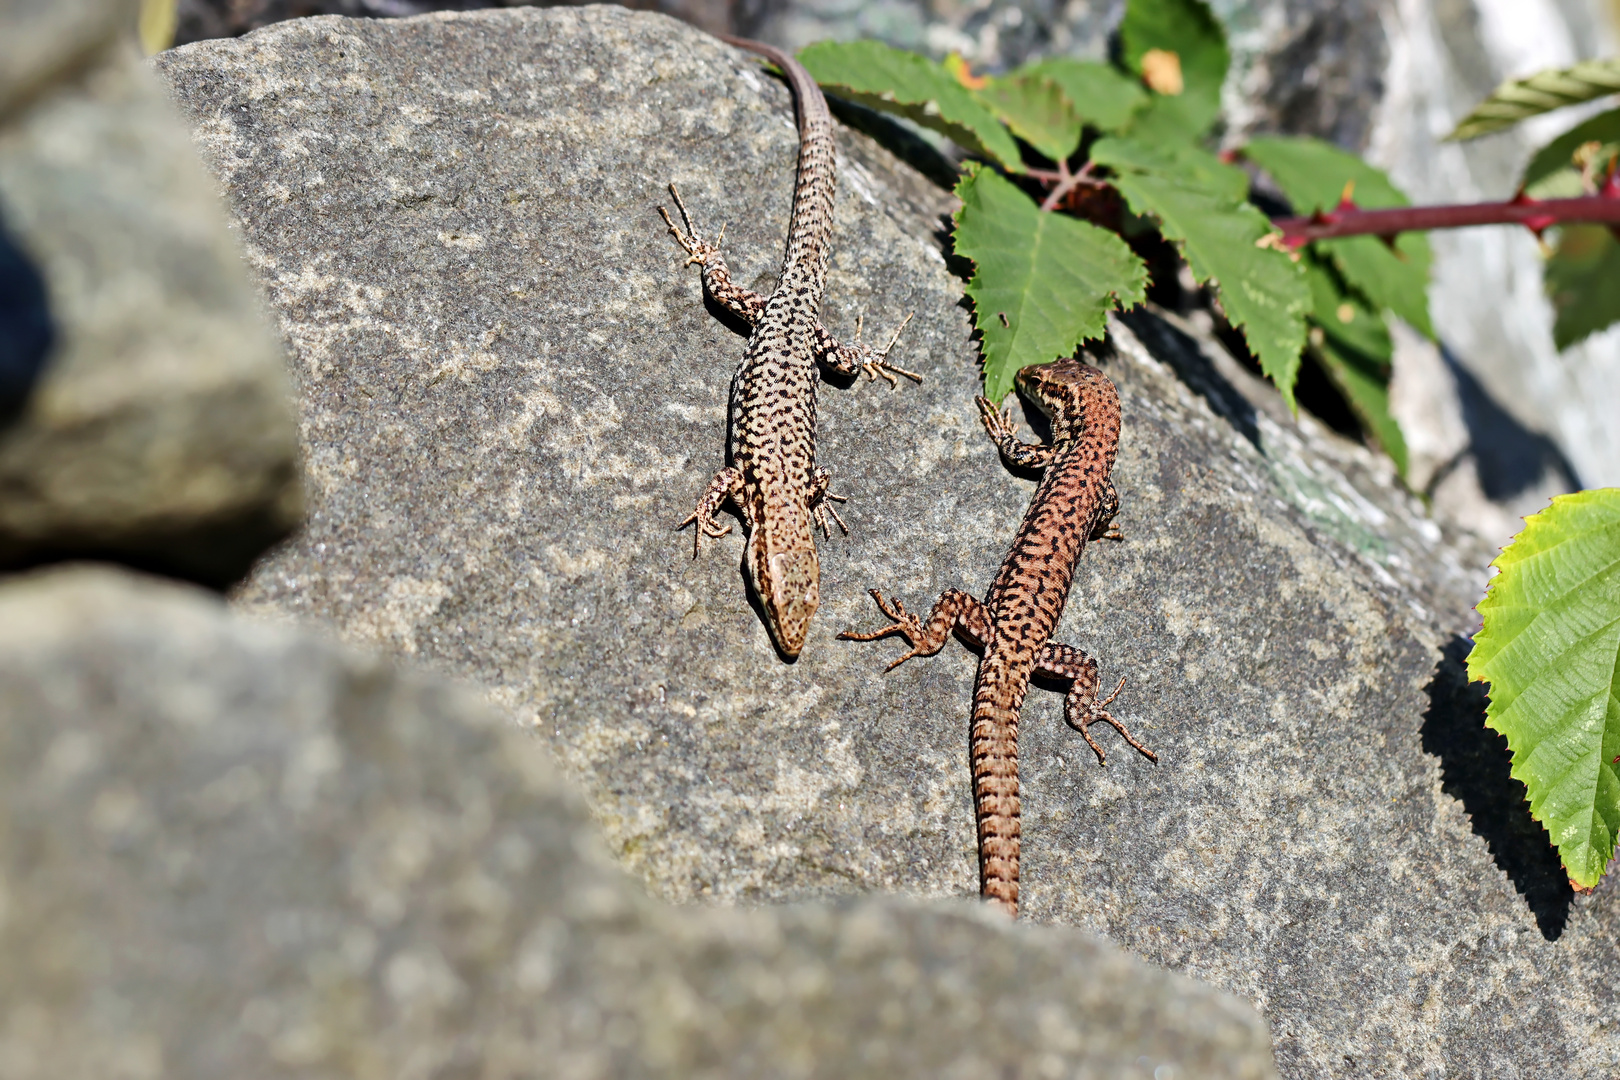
[
  {"x": 1105, "y": 529},
  {"x": 727, "y": 484},
  {"x": 879, "y": 364},
  {"x": 998, "y": 424},
  {"x": 820, "y": 507},
  {"x": 856, "y": 358}
]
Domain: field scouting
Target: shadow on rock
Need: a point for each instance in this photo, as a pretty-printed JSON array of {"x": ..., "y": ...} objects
[
  {"x": 1474, "y": 768},
  {"x": 1511, "y": 458},
  {"x": 26, "y": 329},
  {"x": 1193, "y": 368}
]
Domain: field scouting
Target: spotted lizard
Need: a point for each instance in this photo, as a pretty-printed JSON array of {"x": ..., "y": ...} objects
[
  {"x": 773, "y": 479},
  {"x": 1074, "y": 502}
]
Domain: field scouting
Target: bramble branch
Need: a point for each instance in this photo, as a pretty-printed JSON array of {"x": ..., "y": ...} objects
[
  {"x": 1537, "y": 215},
  {"x": 1348, "y": 219},
  {"x": 1063, "y": 182}
]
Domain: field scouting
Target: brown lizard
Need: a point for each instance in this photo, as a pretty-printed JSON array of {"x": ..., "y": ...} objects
[
  {"x": 1074, "y": 502},
  {"x": 773, "y": 478}
]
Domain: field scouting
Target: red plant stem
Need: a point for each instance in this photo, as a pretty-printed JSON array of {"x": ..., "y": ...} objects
[
  {"x": 1349, "y": 220},
  {"x": 1067, "y": 183}
]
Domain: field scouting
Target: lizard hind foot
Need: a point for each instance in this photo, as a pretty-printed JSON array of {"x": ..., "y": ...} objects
[
  {"x": 1098, "y": 712},
  {"x": 905, "y": 623},
  {"x": 697, "y": 250}
]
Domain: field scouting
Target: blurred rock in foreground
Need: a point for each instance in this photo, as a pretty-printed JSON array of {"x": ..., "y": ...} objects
[
  {"x": 233, "y": 850},
  {"x": 158, "y": 432}
]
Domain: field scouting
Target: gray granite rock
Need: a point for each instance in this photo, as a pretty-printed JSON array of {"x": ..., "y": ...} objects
[
  {"x": 511, "y": 392},
  {"x": 200, "y": 19},
  {"x": 228, "y": 849},
  {"x": 159, "y": 433}
]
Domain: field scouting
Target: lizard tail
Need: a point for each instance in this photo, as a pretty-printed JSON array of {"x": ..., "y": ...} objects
[
  {"x": 812, "y": 220},
  {"x": 995, "y": 793},
  {"x": 812, "y": 106}
]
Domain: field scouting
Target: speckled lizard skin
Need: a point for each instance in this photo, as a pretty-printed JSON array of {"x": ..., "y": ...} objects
[
  {"x": 773, "y": 479},
  {"x": 1074, "y": 502}
]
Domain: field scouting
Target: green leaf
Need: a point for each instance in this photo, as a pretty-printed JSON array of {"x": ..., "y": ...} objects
[
  {"x": 1168, "y": 120},
  {"x": 1346, "y": 318},
  {"x": 1190, "y": 30},
  {"x": 1262, "y": 288},
  {"x": 1583, "y": 280},
  {"x": 1550, "y": 648},
  {"x": 1313, "y": 175},
  {"x": 1037, "y": 111},
  {"x": 1099, "y": 95},
  {"x": 1520, "y": 99},
  {"x": 905, "y": 84},
  {"x": 1553, "y": 174},
  {"x": 1178, "y": 161},
  {"x": 1051, "y": 277},
  {"x": 1353, "y": 346}
]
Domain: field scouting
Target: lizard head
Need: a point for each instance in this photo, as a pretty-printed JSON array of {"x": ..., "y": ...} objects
[
  {"x": 786, "y": 578},
  {"x": 1051, "y": 386},
  {"x": 1069, "y": 388}
]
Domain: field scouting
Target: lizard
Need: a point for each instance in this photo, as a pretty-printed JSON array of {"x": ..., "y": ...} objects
[
  {"x": 773, "y": 478},
  {"x": 1074, "y": 502}
]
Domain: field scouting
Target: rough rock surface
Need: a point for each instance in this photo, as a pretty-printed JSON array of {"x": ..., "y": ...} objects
[
  {"x": 200, "y": 19},
  {"x": 228, "y": 849},
  {"x": 159, "y": 432},
  {"x": 511, "y": 391}
]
